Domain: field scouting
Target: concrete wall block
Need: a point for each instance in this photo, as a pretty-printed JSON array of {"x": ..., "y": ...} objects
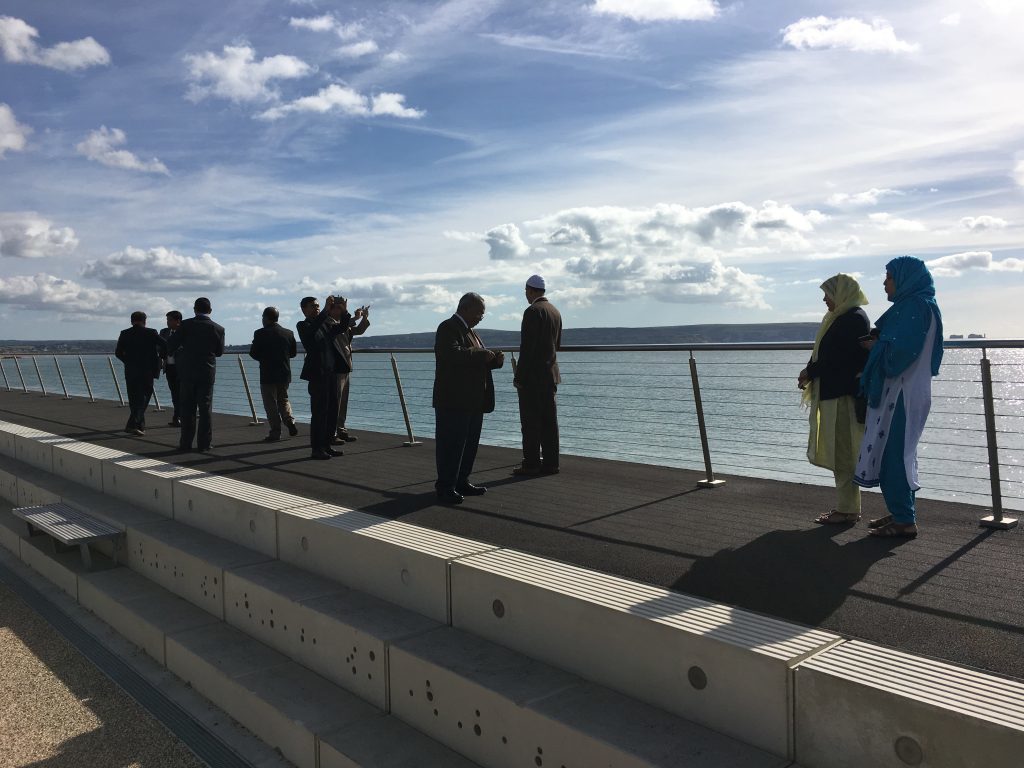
[
  {"x": 78, "y": 467},
  {"x": 145, "y": 482},
  {"x": 61, "y": 569},
  {"x": 719, "y": 666},
  {"x": 385, "y": 742},
  {"x": 32, "y": 493},
  {"x": 34, "y": 452},
  {"x": 12, "y": 531},
  {"x": 887, "y": 709},
  {"x": 9, "y": 486}
]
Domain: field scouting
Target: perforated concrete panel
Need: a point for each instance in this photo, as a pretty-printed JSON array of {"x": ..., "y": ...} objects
[
  {"x": 146, "y": 482},
  {"x": 9, "y": 486},
  {"x": 185, "y": 561},
  {"x": 502, "y": 709},
  {"x": 400, "y": 563},
  {"x": 30, "y": 448},
  {"x": 240, "y": 512},
  {"x": 887, "y": 709},
  {"x": 33, "y": 492},
  {"x": 725, "y": 668},
  {"x": 283, "y": 703},
  {"x": 138, "y": 609},
  {"x": 82, "y": 462},
  {"x": 337, "y": 632}
]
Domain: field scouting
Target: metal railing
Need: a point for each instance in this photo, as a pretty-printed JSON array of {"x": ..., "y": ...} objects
[{"x": 645, "y": 403}]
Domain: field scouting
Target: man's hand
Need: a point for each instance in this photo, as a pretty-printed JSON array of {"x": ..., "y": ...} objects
[
  {"x": 328, "y": 302},
  {"x": 802, "y": 380}
]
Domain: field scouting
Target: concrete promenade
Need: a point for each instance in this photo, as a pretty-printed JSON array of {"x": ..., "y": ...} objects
[{"x": 953, "y": 593}]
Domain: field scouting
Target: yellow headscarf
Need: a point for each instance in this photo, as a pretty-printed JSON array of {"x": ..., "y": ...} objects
[{"x": 845, "y": 291}]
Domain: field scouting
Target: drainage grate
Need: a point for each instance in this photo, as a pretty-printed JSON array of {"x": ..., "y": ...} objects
[{"x": 204, "y": 744}]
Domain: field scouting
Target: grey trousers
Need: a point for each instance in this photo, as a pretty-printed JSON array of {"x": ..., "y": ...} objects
[{"x": 277, "y": 405}]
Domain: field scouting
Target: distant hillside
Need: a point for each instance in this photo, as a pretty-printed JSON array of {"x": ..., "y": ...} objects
[{"x": 669, "y": 334}]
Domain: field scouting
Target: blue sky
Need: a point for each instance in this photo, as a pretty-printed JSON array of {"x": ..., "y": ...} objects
[{"x": 660, "y": 162}]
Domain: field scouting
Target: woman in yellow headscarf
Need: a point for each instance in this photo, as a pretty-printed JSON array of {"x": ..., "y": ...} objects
[{"x": 830, "y": 383}]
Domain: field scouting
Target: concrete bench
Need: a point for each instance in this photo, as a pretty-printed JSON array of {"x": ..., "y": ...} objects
[{"x": 70, "y": 527}]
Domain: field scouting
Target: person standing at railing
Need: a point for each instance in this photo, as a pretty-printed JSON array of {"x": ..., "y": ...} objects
[
  {"x": 356, "y": 327},
  {"x": 320, "y": 370},
  {"x": 141, "y": 350},
  {"x": 273, "y": 347},
  {"x": 830, "y": 383},
  {"x": 905, "y": 353},
  {"x": 170, "y": 366},
  {"x": 463, "y": 393},
  {"x": 537, "y": 380},
  {"x": 196, "y": 347},
  {"x": 343, "y": 350}
]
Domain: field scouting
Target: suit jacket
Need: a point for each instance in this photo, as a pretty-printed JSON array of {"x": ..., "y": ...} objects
[
  {"x": 167, "y": 334},
  {"x": 317, "y": 337},
  {"x": 462, "y": 370},
  {"x": 274, "y": 347},
  {"x": 840, "y": 356},
  {"x": 141, "y": 350},
  {"x": 540, "y": 338},
  {"x": 196, "y": 347}
]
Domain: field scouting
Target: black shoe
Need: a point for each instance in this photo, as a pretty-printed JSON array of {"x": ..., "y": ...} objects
[
  {"x": 293, "y": 430},
  {"x": 321, "y": 455},
  {"x": 337, "y": 441},
  {"x": 528, "y": 470},
  {"x": 272, "y": 439},
  {"x": 136, "y": 432},
  {"x": 332, "y": 452},
  {"x": 350, "y": 438},
  {"x": 471, "y": 490},
  {"x": 204, "y": 449},
  {"x": 449, "y": 497}
]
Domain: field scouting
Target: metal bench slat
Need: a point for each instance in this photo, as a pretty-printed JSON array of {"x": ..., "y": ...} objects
[{"x": 67, "y": 524}]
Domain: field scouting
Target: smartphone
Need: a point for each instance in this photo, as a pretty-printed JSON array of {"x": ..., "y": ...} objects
[{"x": 867, "y": 337}]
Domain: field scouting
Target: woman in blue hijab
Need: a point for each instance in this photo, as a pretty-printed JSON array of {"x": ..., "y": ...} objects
[{"x": 905, "y": 353}]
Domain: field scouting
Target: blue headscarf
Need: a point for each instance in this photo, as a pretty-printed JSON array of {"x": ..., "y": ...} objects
[{"x": 904, "y": 327}]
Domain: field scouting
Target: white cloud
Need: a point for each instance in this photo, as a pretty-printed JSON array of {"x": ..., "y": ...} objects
[
  {"x": 956, "y": 264},
  {"x": 429, "y": 293},
  {"x": 327, "y": 23},
  {"x": 71, "y": 301},
  {"x": 238, "y": 76},
  {"x": 867, "y": 197},
  {"x": 395, "y": 57},
  {"x": 569, "y": 46},
  {"x": 165, "y": 270},
  {"x": 357, "y": 50},
  {"x": 1018, "y": 173},
  {"x": 845, "y": 33},
  {"x": 30, "y": 236},
  {"x": 950, "y": 20},
  {"x": 658, "y": 10},
  {"x": 100, "y": 145},
  {"x": 18, "y": 45},
  {"x": 976, "y": 223},
  {"x": 891, "y": 223},
  {"x": 504, "y": 242},
  {"x": 13, "y": 135},
  {"x": 348, "y": 101}
]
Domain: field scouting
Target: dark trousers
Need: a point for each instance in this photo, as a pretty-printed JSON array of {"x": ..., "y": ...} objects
[
  {"x": 196, "y": 396},
  {"x": 538, "y": 416},
  {"x": 171, "y": 372},
  {"x": 140, "y": 389},
  {"x": 346, "y": 379},
  {"x": 457, "y": 434},
  {"x": 323, "y": 410}
]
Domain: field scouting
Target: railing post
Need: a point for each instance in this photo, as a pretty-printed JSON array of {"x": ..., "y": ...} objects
[
  {"x": 252, "y": 407},
  {"x": 405, "y": 409},
  {"x": 709, "y": 481},
  {"x": 117, "y": 384},
  {"x": 996, "y": 519},
  {"x": 35, "y": 362},
  {"x": 17, "y": 364},
  {"x": 156, "y": 400},
  {"x": 6, "y": 382},
  {"x": 60, "y": 376},
  {"x": 88, "y": 386}
]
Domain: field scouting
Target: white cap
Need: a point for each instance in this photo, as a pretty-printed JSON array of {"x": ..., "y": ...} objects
[{"x": 536, "y": 282}]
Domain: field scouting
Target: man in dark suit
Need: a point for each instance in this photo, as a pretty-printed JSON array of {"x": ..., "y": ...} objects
[
  {"x": 537, "y": 379},
  {"x": 140, "y": 349},
  {"x": 320, "y": 370},
  {"x": 170, "y": 365},
  {"x": 196, "y": 347},
  {"x": 274, "y": 347},
  {"x": 343, "y": 346},
  {"x": 463, "y": 393}
]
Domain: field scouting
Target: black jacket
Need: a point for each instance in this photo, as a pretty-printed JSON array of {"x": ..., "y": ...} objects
[
  {"x": 196, "y": 347},
  {"x": 141, "y": 350},
  {"x": 840, "y": 356},
  {"x": 317, "y": 337},
  {"x": 274, "y": 347},
  {"x": 539, "y": 340},
  {"x": 462, "y": 369}
]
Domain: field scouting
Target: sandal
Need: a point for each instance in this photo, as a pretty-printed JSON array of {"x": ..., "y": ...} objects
[
  {"x": 895, "y": 531},
  {"x": 878, "y": 522},
  {"x": 835, "y": 517}
]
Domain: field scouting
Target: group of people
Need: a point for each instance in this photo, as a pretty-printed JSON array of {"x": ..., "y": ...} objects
[
  {"x": 186, "y": 351},
  {"x": 869, "y": 393}
]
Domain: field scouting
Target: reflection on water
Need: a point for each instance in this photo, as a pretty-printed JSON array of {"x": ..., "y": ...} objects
[{"x": 638, "y": 406}]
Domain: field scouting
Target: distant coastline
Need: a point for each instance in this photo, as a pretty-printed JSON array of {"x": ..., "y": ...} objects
[{"x": 670, "y": 334}]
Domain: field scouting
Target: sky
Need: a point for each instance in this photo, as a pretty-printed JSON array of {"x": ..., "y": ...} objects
[{"x": 659, "y": 162}]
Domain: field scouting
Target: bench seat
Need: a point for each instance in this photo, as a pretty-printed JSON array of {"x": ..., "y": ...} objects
[{"x": 70, "y": 526}]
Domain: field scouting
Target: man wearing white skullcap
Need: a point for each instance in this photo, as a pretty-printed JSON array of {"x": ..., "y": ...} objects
[{"x": 537, "y": 379}]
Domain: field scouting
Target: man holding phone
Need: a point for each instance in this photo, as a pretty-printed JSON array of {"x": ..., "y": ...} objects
[
  {"x": 357, "y": 326},
  {"x": 321, "y": 367}
]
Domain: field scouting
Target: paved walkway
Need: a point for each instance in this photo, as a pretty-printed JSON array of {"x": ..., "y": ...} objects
[{"x": 952, "y": 593}]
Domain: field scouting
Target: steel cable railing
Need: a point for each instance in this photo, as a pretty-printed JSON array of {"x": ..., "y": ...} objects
[{"x": 973, "y": 446}]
